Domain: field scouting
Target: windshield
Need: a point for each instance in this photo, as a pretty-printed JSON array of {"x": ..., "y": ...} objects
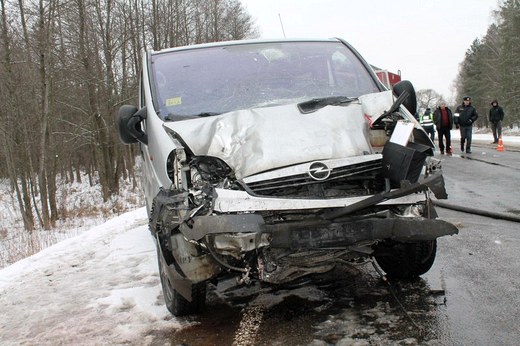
[{"x": 215, "y": 80}]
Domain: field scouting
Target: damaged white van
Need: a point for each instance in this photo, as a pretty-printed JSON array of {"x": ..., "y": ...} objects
[{"x": 275, "y": 159}]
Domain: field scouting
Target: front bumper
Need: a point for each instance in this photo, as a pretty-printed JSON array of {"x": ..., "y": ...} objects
[
  {"x": 319, "y": 234},
  {"x": 335, "y": 228},
  {"x": 349, "y": 233}
]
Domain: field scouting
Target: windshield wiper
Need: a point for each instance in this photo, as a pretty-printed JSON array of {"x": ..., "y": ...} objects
[
  {"x": 207, "y": 114},
  {"x": 174, "y": 117},
  {"x": 317, "y": 103}
]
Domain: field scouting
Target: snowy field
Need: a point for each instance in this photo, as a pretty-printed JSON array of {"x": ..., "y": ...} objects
[{"x": 81, "y": 203}]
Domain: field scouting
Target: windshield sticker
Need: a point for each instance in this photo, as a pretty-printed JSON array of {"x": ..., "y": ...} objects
[{"x": 174, "y": 101}]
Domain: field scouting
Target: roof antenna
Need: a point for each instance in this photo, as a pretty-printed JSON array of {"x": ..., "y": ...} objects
[{"x": 281, "y": 24}]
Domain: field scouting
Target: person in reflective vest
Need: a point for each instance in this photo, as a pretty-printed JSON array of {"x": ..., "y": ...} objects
[{"x": 426, "y": 121}]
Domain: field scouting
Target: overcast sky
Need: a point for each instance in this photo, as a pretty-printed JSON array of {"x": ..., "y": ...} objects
[{"x": 425, "y": 39}]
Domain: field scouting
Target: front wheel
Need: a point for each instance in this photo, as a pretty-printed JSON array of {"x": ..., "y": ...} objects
[
  {"x": 406, "y": 260},
  {"x": 174, "y": 301}
]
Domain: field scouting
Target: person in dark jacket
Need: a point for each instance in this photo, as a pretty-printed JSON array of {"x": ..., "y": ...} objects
[
  {"x": 443, "y": 119},
  {"x": 464, "y": 117},
  {"x": 496, "y": 115}
]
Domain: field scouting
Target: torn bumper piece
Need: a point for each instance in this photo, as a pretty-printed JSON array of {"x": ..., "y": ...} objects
[
  {"x": 182, "y": 284},
  {"x": 435, "y": 182},
  {"x": 321, "y": 234},
  {"x": 339, "y": 235}
]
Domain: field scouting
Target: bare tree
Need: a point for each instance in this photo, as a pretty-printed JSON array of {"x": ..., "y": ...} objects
[
  {"x": 70, "y": 65},
  {"x": 9, "y": 113},
  {"x": 428, "y": 98}
]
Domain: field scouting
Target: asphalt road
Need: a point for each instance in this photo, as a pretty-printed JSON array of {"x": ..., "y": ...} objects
[
  {"x": 479, "y": 267},
  {"x": 469, "y": 297}
]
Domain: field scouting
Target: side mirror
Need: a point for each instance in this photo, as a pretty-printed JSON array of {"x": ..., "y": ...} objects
[
  {"x": 129, "y": 120},
  {"x": 410, "y": 102}
]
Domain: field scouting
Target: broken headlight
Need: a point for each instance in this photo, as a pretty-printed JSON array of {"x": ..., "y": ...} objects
[
  {"x": 208, "y": 173},
  {"x": 210, "y": 170}
]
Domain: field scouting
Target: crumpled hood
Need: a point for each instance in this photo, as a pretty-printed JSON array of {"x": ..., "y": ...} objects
[{"x": 256, "y": 140}]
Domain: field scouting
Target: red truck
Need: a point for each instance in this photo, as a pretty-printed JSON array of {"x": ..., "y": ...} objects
[{"x": 388, "y": 79}]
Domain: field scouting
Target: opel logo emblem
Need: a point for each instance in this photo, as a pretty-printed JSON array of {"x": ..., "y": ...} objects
[{"x": 319, "y": 171}]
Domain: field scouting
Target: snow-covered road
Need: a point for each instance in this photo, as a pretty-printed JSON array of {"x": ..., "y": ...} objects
[{"x": 101, "y": 287}]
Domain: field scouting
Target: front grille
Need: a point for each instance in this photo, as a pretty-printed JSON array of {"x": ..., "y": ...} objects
[{"x": 343, "y": 181}]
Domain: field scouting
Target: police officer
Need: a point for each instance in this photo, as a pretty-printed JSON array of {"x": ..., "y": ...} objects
[
  {"x": 464, "y": 117},
  {"x": 426, "y": 121}
]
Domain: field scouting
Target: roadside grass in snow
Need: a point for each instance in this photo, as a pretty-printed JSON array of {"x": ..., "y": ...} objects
[{"x": 80, "y": 205}]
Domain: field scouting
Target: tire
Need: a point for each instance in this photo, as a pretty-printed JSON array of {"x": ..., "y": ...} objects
[
  {"x": 406, "y": 260},
  {"x": 174, "y": 301},
  {"x": 411, "y": 102}
]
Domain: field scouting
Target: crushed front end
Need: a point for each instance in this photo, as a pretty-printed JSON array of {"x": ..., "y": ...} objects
[
  {"x": 273, "y": 160},
  {"x": 280, "y": 225}
]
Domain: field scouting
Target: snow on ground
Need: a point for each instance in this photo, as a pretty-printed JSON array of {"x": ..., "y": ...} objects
[
  {"x": 101, "y": 287},
  {"x": 509, "y": 137}
]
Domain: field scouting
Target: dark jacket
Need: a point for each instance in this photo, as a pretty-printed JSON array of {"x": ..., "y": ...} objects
[
  {"x": 496, "y": 113},
  {"x": 467, "y": 115},
  {"x": 437, "y": 118}
]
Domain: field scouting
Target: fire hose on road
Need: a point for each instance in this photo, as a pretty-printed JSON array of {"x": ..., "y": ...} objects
[{"x": 491, "y": 214}]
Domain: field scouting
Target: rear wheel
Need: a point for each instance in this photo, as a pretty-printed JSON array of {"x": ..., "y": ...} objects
[
  {"x": 406, "y": 260},
  {"x": 174, "y": 301}
]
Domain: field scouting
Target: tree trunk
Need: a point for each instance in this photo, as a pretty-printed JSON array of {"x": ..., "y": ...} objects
[{"x": 11, "y": 110}]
